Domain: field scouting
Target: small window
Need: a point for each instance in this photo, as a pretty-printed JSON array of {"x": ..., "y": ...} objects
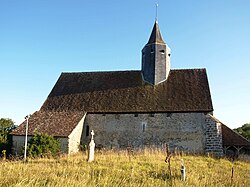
[
  {"x": 87, "y": 130},
  {"x": 136, "y": 114},
  {"x": 162, "y": 51},
  {"x": 144, "y": 126},
  {"x": 152, "y": 115},
  {"x": 117, "y": 116},
  {"x": 169, "y": 115},
  {"x": 169, "y": 54},
  {"x": 152, "y": 50}
]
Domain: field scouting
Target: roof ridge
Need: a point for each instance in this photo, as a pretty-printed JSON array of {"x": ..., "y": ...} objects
[
  {"x": 123, "y": 71},
  {"x": 188, "y": 69},
  {"x": 119, "y": 71}
]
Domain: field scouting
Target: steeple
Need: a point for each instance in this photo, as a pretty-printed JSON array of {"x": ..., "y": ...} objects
[
  {"x": 155, "y": 58},
  {"x": 155, "y": 36}
]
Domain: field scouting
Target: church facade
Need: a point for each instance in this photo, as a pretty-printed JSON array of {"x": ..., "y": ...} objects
[{"x": 150, "y": 107}]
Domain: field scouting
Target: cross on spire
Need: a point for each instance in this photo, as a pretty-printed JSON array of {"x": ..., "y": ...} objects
[{"x": 156, "y": 11}]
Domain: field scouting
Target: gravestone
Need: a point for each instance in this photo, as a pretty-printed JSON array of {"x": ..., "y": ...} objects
[{"x": 91, "y": 152}]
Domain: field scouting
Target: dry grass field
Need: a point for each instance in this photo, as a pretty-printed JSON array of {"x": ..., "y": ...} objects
[{"x": 117, "y": 168}]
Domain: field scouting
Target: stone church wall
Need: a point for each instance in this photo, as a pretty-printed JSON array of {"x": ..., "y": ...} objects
[
  {"x": 64, "y": 145},
  {"x": 184, "y": 131},
  {"x": 18, "y": 144},
  {"x": 213, "y": 142}
]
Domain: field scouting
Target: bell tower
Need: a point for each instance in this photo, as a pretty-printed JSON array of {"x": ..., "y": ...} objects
[{"x": 155, "y": 58}]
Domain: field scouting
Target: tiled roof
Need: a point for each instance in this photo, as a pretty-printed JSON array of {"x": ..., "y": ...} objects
[
  {"x": 231, "y": 138},
  {"x": 58, "y": 124},
  {"x": 125, "y": 91}
]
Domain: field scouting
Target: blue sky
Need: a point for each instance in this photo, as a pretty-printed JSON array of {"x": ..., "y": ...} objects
[{"x": 40, "y": 39}]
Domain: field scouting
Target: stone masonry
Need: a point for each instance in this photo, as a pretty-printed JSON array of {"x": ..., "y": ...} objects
[
  {"x": 213, "y": 136},
  {"x": 182, "y": 131}
]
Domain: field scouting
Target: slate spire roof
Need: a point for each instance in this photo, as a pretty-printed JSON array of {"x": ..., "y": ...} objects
[{"x": 155, "y": 36}]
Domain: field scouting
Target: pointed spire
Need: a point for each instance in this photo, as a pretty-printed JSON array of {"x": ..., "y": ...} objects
[{"x": 155, "y": 36}]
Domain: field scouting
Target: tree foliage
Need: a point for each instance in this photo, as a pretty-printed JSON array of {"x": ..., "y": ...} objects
[
  {"x": 6, "y": 126},
  {"x": 42, "y": 145},
  {"x": 244, "y": 130}
]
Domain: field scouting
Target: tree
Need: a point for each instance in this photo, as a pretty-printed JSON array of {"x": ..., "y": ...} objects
[
  {"x": 244, "y": 130},
  {"x": 42, "y": 145},
  {"x": 6, "y": 126}
]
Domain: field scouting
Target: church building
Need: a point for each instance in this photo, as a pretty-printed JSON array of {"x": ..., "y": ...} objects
[{"x": 143, "y": 108}]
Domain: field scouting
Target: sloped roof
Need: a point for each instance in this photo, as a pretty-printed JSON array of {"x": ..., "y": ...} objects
[
  {"x": 58, "y": 124},
  {"x": 125, "y": 91},
  {"x": 155, "y": 36},
  {"x": 230, "y": 137}
]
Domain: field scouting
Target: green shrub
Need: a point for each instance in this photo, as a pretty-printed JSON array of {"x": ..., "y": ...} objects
[
  {"x": 6, "y": 126},
  {"x": 42, "y": 145}
]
